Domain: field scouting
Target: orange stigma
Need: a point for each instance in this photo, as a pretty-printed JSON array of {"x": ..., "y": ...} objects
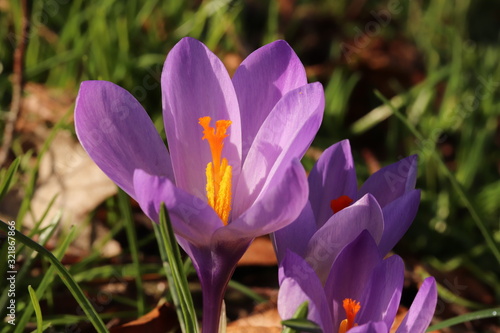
[
  {"x": 351, "y": 308},
  {"x": 340, "y": 203},
  {"x": 218, "y": 171}
]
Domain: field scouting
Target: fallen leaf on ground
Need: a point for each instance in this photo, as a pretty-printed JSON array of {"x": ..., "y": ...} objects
[
  {"x": 161, "y": 319},
  {"x": 260, "y": 253},
  {"x": 268, "y": 321}
]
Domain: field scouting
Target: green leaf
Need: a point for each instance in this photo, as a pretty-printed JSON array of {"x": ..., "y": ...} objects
[
  {"x": 45, "y": 233},
  {"x": 7, "y": 177},
  {"x": 490, "y": 313},
  {"x": 67, "y": 319},
  {"x": 44, "y": 284},
  {"x": 246, "y": 291},
  {"x": 44, "y": 327},
  {"x": 30, "y": 255},
  {"x": 176, "y": 276},
  {"x": 302, "y": 325},
  {"x": 168, "y": 272},
  {"x": 377, "y": 115},
  {"x": 38, "y": 310},
  {"x": 73, "y": 287},
  {"x": 299, "y": 321}
]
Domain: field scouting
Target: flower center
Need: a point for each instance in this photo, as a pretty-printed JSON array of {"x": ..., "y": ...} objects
[
  {"x": 218, "y": 171},
  {"x": 351, "y": 308},
  {"x": 340, "y": 203}
]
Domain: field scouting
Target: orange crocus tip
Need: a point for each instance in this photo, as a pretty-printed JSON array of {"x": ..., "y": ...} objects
[
  {"x": 340, "y": 203},
  {"x": 351, "y": 308},
  {"x": 218, "y": 172},
  {"x": 215, "y": 137}
]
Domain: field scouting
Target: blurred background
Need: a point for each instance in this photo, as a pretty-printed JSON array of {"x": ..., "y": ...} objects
[{"x": 401, "y": 77}]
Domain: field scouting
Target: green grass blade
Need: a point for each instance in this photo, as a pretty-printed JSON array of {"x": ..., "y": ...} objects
[
  {"x": 46, "y": 281},
  {"x": 377, "y": 115},
  {"x": 7, "y": 177},
  {"x": 302, "y": 325},
  {"x": 450, "y": 297},
  {"x": 73, "y": 287},
  {"x": 44, "y": 327},
  {"x": 110, "y": 270},
  {"x": 38, "y": 311},
  {"x": 246, "y": 291},
  {"x": 35, "y": 231},
  {"x": 177, "y": 268},
  {"x": 168, "y": 274},
  {"x": 489, "y": 313},
  {"x": 124, "y": 204},
  {"x": 30, "y": 255},
  {"x": 48, "y": 230},
  {"x": 95, "y": 256},
  {"x": 383, "y": 112},
  {"x": 67, "y": 319}
]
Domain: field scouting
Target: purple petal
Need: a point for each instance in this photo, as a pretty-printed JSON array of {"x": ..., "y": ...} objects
[
  {"x": 195, "y": 84},
  {"x": 341, "y": 229},
  {"x": 351, "y": 273},
  {"x": 298, "y": 284},
  {"x": 421, "y": 311},
  {"x": 382, "y": 298},
  {"x": 332, "y": 176},
  {"x": 296, "y": 235},
  {"x": 118, "y": 134},
  {"x": 192, "y": 218},
  {"x": 261, "y": 81},
  {"x": 372, "y": 327},
  {"x": 285, "y": 135},
  {"x": 392, "y": 181},
  {"x": 398, "y": 216},
  {"x": 277, "y": 207}
]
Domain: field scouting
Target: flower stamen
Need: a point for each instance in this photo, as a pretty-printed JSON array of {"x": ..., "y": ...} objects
[{"x": 218, "y": 172}]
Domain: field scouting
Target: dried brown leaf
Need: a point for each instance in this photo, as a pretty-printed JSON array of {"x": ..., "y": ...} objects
[
  {"x": 260, "y": 253},
  {"x": 161, "y": 319}
]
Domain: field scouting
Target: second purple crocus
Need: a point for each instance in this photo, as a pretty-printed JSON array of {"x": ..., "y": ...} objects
[
  {"x": 361, "y": 293},
  {"x": 332, "y": 256},
  {"x": 337, "y": 211}
]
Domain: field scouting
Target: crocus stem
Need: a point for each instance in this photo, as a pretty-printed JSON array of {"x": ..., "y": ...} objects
[
  {"x": 212, "y": 303},
  {"x": 214, "y": 276},
  {"x": 215, "y": 267}
]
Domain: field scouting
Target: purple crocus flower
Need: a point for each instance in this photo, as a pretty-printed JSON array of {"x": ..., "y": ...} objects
[
  {"x": 361, "y": 293},
  {"x": 222, "y": 185},
  {"x": 337, "y": 212}
]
